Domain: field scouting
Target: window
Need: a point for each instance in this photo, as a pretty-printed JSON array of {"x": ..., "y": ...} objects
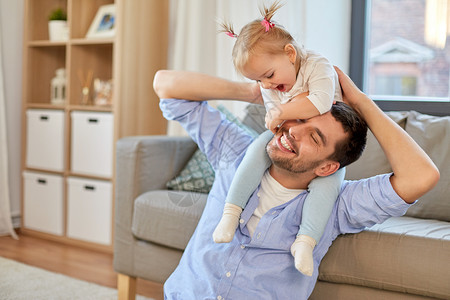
[
  {"x": 400, "y": 54},
  {"x": 394, "y": 85}
]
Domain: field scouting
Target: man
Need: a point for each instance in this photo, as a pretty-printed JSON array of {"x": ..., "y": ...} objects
[{"x": 257, "y": 263}]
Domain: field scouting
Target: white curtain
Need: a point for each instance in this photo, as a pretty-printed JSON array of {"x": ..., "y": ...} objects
[
  {"x": 6, "y": 227},
  {"x": 196, "y": 45}
]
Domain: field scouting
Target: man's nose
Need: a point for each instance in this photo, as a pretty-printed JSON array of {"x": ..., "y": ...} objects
[
  {"x": 297, "y": 128},
  {"x": 294, "y": 128}
]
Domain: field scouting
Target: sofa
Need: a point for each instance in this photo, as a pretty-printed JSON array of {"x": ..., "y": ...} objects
[{"x": 403, "y": 258}]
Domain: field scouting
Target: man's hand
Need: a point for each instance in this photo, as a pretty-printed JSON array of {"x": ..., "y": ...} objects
[{"x": 351, "y": 94}]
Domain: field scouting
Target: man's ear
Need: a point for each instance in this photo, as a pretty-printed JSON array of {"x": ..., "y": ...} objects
[
  {"x": 327, "y": 168},
  {"x": 291, "y": 52}
]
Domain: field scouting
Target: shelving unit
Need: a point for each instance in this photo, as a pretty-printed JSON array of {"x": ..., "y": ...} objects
[{"x": 106, "y": 58}]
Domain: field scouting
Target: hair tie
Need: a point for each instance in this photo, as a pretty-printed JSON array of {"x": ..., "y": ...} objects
[
  {"x": 267, "y": 24},
  {"x": 231, "y": 34}
]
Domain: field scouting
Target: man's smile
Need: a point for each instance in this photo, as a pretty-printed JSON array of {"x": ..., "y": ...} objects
[{"x": 284, "y": 144}]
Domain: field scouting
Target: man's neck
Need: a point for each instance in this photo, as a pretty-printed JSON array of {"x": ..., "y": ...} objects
[{"x": 291, "y": 180}]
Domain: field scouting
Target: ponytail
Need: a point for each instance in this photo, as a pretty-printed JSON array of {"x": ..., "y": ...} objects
[{"x": 267, "y": 13}]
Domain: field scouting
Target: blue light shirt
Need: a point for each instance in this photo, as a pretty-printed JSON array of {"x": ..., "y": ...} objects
[{"x": 261, "y": 267}]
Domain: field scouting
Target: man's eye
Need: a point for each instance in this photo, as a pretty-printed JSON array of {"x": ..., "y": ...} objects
[
  {"x": 270, "y": 76},
  {"x": 314, "y": 139}
]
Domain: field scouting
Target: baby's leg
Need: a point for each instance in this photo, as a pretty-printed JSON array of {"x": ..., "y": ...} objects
[
  {"x": 246, "y": 180},
  {"x": 323, "y": 192}
]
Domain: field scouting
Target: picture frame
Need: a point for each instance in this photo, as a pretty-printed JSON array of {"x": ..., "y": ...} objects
[{"x": 103, "y": 25}]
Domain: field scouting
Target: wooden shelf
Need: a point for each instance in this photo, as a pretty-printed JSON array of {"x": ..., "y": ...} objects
[
  {"x": 46, "y": 171},
  {"x": 91, "y": 41},
  {"x": 42, "y": 58},
  {"x": 130, "y": 60},
  {"x": 69, "y": 107},
  {"x": 73, "y": 174},
  {"x": 44, "y": 106},
  {"x": 46, "y": 43},
  {"x": 91, "y": 108}
]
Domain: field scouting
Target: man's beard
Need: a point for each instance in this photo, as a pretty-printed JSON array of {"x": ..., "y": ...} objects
[{"x": 293, "y": 165}]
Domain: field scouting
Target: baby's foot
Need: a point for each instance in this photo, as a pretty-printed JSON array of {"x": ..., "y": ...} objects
[
  {"x": 224, "y": 231},
  {"x": 302, "y": 250},
  {"x": 227, "y": 226}
]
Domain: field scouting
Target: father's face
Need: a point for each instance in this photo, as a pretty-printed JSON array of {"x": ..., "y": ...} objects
[{"x": 300, "y": 146}]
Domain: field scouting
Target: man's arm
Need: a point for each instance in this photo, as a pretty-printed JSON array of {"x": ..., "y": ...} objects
[
  {"x": 414, "y": 172},
  {"x": 218, "y": 138},
  {"x": 199, "y": 87}
]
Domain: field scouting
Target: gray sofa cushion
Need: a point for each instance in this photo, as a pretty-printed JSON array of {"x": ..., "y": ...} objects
[
  {"x": 403, "y": 254},
  {"x": 433, "y": 135},
  {"x": 373, "y": 161},
  {"x": 166, "y": 217}
]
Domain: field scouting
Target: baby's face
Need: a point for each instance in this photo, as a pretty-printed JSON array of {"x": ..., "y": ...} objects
[{"x": 272, "y": 71}]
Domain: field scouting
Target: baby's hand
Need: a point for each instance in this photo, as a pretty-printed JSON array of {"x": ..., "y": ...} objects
[{"x": 273, "y": 120}]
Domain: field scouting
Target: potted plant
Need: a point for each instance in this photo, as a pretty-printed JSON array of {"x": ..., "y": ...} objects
[{"x": 57, "y": 25}]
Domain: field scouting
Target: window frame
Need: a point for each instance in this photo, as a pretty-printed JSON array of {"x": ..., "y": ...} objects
[{"x": 360, "y": 17}]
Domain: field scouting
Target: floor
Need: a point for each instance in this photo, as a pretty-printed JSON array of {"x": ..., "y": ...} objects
[{"x": 72, "y": 261}]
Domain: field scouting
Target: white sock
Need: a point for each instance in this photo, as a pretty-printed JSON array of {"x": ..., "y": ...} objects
[
  {"x": 302, "y": 250},
  {"x": 227, "y": 226}
]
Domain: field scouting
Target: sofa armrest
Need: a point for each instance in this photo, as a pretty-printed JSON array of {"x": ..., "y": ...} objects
[{"x": 143, "y": 163}]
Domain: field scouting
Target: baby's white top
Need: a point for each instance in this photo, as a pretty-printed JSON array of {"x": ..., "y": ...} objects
[{"x": 317, "y": 76}]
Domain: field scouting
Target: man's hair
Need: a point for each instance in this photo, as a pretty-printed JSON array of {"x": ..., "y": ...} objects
[{"x": 349, "y": 149}]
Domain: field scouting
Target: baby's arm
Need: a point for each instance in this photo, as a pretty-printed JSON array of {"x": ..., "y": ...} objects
[{"x": 299, "y": 107}]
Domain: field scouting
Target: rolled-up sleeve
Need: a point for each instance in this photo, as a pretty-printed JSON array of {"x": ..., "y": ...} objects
[{"x": 367, "y": 202}]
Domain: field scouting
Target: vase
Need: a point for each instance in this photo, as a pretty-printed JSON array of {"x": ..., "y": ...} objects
[{"x": 58, "y": 30}]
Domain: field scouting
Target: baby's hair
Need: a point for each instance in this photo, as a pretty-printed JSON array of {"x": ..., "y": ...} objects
[
  {"x": 227, "y": 28},
  {"x": 268, "y": 13},
  {"x": 260, "y": 35}
]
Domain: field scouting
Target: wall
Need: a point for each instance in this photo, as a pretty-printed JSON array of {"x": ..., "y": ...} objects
[
  {"x": 11, "y": 30},
  {"x": 327, "y": 29}
]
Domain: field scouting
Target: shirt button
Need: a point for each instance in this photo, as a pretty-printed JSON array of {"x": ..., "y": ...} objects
[
  {"x": 258, "y": 235},
  {"x": 259, "y": 195},
  {"x": 274, "y": 212},
  {"x": 228, "y": 274},
  {"x": 219, "y": 298},
  {"x": 242, "y": 247},
  {"x": 241, "y": 221}
]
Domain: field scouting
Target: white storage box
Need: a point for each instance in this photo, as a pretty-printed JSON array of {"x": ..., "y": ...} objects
[
  {"x": 45, "y": 139},
  {"x": 92, "y": 143},
  {"x": 89, "y": 213},
  {"x": 43, "y": 202}
]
